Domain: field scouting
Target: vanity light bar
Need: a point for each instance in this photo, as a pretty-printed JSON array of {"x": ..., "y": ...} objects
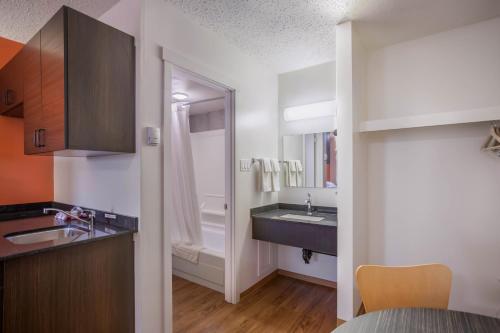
[{"x": 310, "y": 111}]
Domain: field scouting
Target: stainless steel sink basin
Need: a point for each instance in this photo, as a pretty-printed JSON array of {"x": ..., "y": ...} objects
[{"x": 64, "y": 234}]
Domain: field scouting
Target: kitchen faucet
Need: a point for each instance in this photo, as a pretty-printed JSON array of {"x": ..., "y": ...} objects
[
  {"x": 309, "y": 204},
  {"x": 90, "y": 213}
]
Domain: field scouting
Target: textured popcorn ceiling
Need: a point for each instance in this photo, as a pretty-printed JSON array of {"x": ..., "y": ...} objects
[
  {"x": 21, "y": 19},
  {"x": 293, "y": 34},
  {"x": 284, "y": 34}
]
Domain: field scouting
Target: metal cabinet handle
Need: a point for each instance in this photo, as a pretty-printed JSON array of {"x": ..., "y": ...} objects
[
  {"x": 41, "y": 137},
  {"x": 10, "y": 97},
  {"x": 35, "y": 138}
]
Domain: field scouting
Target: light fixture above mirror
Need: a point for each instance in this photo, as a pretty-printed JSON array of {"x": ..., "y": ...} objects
[{"x": 311, "y": 111}]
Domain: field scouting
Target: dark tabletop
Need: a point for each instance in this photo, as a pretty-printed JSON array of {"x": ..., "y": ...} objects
[
  {"x": 9, "y": 250},
  {"x": 420, "y": 320}
]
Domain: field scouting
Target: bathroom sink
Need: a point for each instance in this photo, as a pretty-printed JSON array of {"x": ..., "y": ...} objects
[
  {"x": 303, "y": 217},
  {"x": 61, "y": 234}
]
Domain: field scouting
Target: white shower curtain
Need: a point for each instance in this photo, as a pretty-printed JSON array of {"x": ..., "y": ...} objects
[{"x": 186, "y": 227}]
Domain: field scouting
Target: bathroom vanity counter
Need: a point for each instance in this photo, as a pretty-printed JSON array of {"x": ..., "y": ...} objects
[{"x": 290, "y": 225}]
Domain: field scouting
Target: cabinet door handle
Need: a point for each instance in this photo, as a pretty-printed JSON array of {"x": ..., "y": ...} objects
[
  {"x": 35, "y": 138},
  {"x": 10, "y": 97},
  {"x": 41, "y": 137}
]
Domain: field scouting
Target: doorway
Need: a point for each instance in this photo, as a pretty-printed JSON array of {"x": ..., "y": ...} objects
[{"x": 207, "y": 111}]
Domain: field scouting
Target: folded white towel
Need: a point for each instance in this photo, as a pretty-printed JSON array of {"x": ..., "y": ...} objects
[
  {"x": 286, "y": 173},
  {"x": 299, "y": 174},
  {"x": 276, "y": 165},
  {"x": 265, "y": 177},
  {"x": 186, "y": 251},
  {"x": 292, "y": 173},
  {"x": 268, "y": 167},
  {"x": 298, "y": 165},
  {"x": 275, "y": 176}
]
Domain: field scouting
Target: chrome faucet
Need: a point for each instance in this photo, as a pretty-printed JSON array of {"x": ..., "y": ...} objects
[
  {"x": 309, "y": 204},
  {"x": 90, "y": 213}
]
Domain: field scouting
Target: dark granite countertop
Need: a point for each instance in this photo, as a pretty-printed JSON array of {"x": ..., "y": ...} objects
[
  {"x": 10, "y": 250},
  {"x": 276, "y": 214}
]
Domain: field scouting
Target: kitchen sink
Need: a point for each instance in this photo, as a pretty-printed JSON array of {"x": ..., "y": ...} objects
[
  {"x": 63, "y": 234},
  {"x": 303, "y": 217}
]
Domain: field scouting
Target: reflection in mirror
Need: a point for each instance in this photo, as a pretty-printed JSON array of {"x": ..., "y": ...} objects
[{"x": 310, "y": 160}]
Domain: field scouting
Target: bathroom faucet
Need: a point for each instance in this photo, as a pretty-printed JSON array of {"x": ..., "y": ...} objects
[
  {"x": 90, "y": 213},
  {"x": 309, "y": 204}
]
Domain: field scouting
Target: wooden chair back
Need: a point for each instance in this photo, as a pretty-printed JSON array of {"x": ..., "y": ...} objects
[{"x": 388, "y": 287}]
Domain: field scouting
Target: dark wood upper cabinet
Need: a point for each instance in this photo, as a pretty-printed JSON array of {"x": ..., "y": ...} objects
[
  {"x": 11, "y": 88},
  {"x": 32, "y": 105},
  {"x": 86, "y": 102}
]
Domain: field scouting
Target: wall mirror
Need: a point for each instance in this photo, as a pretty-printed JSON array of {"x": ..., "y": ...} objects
[{"x": 310, "y": 160}]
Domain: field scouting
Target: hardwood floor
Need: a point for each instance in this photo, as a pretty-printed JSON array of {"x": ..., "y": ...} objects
[{"x": 282, "y": 305}]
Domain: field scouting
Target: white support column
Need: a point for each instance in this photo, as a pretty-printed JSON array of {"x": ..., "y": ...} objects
[
  {"x": 345, "y": 236},
  {"x": 352, "y": 163}
]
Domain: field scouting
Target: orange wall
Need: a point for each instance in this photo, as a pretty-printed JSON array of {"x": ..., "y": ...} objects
[{"x": 23, "y": 179}]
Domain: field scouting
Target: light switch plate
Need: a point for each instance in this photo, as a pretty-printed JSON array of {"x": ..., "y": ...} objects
[
  {"x": 153, "y": 136},
  {"x": 245, "y": 165}
]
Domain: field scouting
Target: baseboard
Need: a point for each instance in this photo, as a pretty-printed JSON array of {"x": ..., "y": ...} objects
[
  {"x": 200, "y": 281},
  {"x": 260, "y": 283},
  {"x": 310, "y": 279},
  {"x": 361, "y": 310}
]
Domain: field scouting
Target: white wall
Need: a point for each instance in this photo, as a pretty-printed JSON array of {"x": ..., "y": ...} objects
[
  {"x": 433, "y": 196},
  {"x": 256, "y": 123},
  {"x": 307, "y": 86},
  {"x": 454, "y": 70}
]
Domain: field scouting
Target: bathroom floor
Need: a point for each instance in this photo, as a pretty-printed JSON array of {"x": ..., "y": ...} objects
[{"x": 282, "y": 305}]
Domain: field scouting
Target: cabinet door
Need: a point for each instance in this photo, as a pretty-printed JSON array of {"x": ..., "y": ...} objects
[
  {"x": 101, "y": 86},
  {"x": 79, "y": 289},
  {"x": 11, "y": 88},
  {"x": 53, "y": 88},
  {"x": 32, "y": 77}
]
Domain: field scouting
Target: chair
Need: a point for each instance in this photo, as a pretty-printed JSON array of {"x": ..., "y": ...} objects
[{"x": 422, "y": 286}]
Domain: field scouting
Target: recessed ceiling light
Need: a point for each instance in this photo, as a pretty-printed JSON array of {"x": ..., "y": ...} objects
[{"x": 179, "y": 96}]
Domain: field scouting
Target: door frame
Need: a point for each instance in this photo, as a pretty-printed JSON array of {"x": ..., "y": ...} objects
[{"x": 171, "y": 60}]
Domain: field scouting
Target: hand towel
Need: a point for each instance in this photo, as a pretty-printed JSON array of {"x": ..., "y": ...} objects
[
  {"x": 286, "y": 172},
  {"x": 276, "y": 165},
  {"x": 275, "y": 175},
  {"x": 298, "y": 165},
  {"x": 186, "y": 251},
  {"x": 268, "y": 166},
  {"x": 299, "y": 174},
  {"x": 292, "y": 167},
  {"x": 265, "y": 175}
]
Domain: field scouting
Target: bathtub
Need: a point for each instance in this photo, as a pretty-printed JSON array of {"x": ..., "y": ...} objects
[{"x": 209, "y": 271}]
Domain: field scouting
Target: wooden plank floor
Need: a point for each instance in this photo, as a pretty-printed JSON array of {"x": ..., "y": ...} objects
[{"x": 282, "y": 305}]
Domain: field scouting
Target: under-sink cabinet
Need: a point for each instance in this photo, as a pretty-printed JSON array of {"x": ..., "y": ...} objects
[
  {"x": 288, "y": 224},
  {"x": 81, "y": 288}
]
